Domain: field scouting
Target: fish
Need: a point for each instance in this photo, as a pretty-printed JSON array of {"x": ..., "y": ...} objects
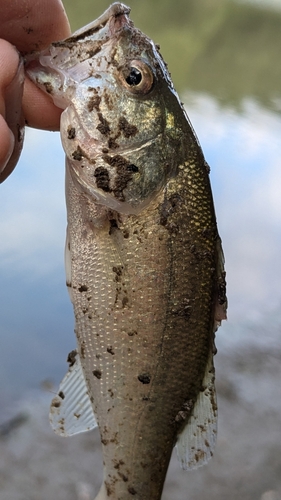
[{"x": 143, "y": 257}]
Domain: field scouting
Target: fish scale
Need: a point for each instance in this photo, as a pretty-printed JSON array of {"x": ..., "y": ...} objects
[{"x": 144, "y": 262}]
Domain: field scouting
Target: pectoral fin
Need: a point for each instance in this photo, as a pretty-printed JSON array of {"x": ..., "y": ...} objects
[
  {"x": 71, "y": 410},
  {"x": 196, "y": 443}
]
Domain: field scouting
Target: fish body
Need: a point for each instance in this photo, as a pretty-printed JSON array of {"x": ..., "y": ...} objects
[{"x": 144, "y": 263}]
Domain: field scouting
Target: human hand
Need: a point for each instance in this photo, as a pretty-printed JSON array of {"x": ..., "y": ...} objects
[{"x": 29, "y": 25}]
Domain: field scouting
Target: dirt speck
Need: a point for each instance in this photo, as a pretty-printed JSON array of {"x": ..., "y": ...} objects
[
  {"x": 123, "y": 476},
  {"x": 77, "y": 154},
  {"x": 103, "y": 127},
  {"x": 71, "y": 358},
  {"x": 97, "y": 374},
  {"x": 102, "y": 179},
  {"x": 19, "y": 133},
  {"x": 48, "y": 87},
  {"x": 167, "y": 208},
  {"x": 118, "y": 464},
  {"x": 118, "y": 272},
  {"x": 28, "y": 30},
  {"x": 126, "y": 128},
  {"x": 144, "y": 378},
  {"x": 108, "y": 100},
  {"x": 131, "y": 333},
  {"x": 199, "y": 455},
  {"x": 94, "y": 103},
  {"x": 125, "y": 302},
  {"x": 112, "y": 144},
  {"x": 124, "y": 173},
  {"x": 71, "y": 132},
  {"x": 83, "y": 349},
  {"x": 113, "y": 225},
  {"x": 56, "y": 403},
  {"x": 108, "y": 488}
]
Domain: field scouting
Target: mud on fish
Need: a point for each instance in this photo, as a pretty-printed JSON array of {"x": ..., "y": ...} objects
[{"x": 144, "y": 263}]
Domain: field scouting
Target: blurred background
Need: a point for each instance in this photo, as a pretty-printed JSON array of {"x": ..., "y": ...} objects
[{"x": 224, "y": 57}]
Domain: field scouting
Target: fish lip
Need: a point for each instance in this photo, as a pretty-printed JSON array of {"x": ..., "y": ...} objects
[{"x": 112, "y": 20}]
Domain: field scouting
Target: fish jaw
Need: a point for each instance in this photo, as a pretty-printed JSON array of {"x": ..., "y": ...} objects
[{"x": 58, "y": 69}]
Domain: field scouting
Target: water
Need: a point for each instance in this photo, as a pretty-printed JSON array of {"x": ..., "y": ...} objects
[{"x": 224, "y": 59}]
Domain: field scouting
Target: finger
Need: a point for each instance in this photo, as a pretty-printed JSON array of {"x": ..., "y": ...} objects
[
  {"x": 9, "y": 61},
  {"x": 7, "y": 144},
  {"x": 11, "y": 88},
  {"x": 33, "y": 24},
  {"x": 38, "y": 108}
]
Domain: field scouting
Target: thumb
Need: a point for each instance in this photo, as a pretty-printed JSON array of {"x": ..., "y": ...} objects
[{"x": 11, "y": 119}]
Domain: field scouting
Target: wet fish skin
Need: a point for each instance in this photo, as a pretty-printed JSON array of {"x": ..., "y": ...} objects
[{"x": 143, "y": 257}]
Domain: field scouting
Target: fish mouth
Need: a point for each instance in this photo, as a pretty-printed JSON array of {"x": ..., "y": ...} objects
[
  {"x": 115, "y": 18},
  {"x": 49, "y": 69}
]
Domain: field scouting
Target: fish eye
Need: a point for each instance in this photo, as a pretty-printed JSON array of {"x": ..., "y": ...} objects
[
  {"x": 138, "y": 77},
  {"x": 134, "y": 77}
]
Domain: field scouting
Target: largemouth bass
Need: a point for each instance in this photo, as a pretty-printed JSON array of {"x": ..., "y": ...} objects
[{"x": 144, "y": 263}]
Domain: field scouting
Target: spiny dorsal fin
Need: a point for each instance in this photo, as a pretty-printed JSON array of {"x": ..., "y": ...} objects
[{"x": 71, "y": 410}]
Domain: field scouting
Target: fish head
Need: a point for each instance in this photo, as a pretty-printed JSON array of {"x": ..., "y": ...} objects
[{"x": 122, "y": 119}]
